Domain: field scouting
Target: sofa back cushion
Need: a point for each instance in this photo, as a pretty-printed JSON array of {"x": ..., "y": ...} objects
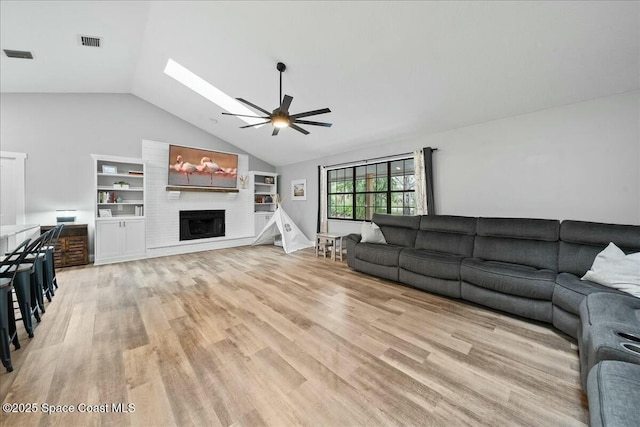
[
  {"x": 447, "y": 234},
  {"x": 581, "y": 241},
  {"x": 531, "y": 242},
  {"x": 398, "y": 230}
]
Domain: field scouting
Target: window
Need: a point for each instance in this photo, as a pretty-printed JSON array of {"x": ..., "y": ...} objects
[{"x": 357, "y": 192}]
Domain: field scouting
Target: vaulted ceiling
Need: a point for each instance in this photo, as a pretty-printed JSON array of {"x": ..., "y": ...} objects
[{"x": 387, "y": 70}]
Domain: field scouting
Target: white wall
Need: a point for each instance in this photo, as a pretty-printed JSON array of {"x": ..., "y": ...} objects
[
  {"x": 60, "y": 131},
  {"x": 579, "y": 161}
]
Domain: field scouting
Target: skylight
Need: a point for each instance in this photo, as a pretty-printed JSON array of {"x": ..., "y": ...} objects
[{"x": 209, "y": 91}]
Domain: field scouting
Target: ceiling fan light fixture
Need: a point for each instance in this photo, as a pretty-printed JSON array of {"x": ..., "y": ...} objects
[{"x": 280, "y": 122}]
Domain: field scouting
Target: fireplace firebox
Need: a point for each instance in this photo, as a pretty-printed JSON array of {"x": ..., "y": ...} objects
[{"x": 201, "y": 224}]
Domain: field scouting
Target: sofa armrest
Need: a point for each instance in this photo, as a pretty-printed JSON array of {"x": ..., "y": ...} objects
[
  {"x": 351, "y": 241},
  {"x": 355, "y": 237}
]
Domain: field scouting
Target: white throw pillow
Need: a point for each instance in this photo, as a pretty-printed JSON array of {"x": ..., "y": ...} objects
[
  {"x": 371, "y": 233},
  {"x": 614, "y": 269}
]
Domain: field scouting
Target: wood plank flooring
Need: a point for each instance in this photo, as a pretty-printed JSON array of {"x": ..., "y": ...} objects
[{"x": 250, "y": 336}]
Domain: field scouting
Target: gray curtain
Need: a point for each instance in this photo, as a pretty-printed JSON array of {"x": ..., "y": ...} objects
[{"x": 428, "y": 172}]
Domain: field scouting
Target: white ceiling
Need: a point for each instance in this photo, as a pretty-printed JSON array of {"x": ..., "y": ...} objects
[{"x": 386, "y": 69}]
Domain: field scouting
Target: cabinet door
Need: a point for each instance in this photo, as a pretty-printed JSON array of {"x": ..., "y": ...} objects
[
  {"x": 108, "y": 244},
  {"x": 134, "y": 237}
]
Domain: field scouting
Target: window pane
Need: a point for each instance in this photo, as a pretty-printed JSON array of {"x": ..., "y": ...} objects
[
  {"x": 360, "y": 199},
  {"x": 360, "y": 212},
  {"x": 332, "y": 187},
  {"x": 332, "y": 175},
  {"x": 348, "y": 186},
  {"x": 408, "y": 167},
  {"x": 397, "y": 183},
  {"x": 381, "y": 201},
  {"x": 397, "y": 200}
]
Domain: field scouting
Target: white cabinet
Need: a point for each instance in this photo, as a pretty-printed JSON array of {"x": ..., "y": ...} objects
[
  {"x": 119, "y": 240},
  {"x": 119, "y": 208},
  {"x": 262, "y": 219}
]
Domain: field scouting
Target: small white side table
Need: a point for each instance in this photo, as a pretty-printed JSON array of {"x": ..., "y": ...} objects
[{"x": 324, "y": 240}]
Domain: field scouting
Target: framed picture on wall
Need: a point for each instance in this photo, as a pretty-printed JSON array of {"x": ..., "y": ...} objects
[{"x": 299, "y": 189}]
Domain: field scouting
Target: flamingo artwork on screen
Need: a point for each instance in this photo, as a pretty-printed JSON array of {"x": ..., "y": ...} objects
[{"x": 195, "y": 167}]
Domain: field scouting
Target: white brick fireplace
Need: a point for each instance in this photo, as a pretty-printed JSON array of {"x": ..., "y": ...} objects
[{"x": 163, "y": 212}]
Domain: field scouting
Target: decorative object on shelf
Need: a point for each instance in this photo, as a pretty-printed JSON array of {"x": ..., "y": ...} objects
[
  {"x": 109, "y": 169},
  {"x": 280, "y": 117},
  {"x": 268, "y": 199},
  {"x": 136, "y": 173},
  {"x": 268, "y": 180},
  {"x": 104, "y": 213},
  {"x": 66, "y": 216},
  {"x": 299, "y": 189},
  {"x": 193, "y": 167},
  {"x": 243, "y": 181},
  {"x": 121, "y": 184},
  {"x": 119, "y": 199}
]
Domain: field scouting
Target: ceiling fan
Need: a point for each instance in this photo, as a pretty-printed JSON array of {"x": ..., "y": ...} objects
[{"x": 280, "y": 117}]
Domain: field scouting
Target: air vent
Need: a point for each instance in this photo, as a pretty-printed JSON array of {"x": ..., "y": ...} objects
[
  {"x": 22, "y": 54},
  {"x": 90, "y": 41}
]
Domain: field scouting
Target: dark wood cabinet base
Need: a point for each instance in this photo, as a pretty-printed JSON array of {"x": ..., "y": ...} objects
[{"x": 72, "y": 247}]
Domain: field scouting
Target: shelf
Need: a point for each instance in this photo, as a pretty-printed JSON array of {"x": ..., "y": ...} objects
[
  {"x": 120, "y": 175},
  {"x": 120, "y": 189},
  {"x": 262, "y": 193},
  {"x": 119, "y": 217},
  {"x": 260, "y": 203},
  {"x": 140, "y": 202}
]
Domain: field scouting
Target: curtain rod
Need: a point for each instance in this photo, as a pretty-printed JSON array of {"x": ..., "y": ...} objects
[{"x": 357, "y": 162}]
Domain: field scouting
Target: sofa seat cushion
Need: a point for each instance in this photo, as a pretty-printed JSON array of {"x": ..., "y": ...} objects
[
  {"x": 512, "y": 279},
  {"x": 385, "y": 255},
  {"x": 613, "y": 389},
  {"x": 433, "y": 264},
  {"x": 570, "y": 291}
]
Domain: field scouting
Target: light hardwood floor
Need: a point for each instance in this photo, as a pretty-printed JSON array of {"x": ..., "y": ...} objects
[{"x": 250, "y": 336}]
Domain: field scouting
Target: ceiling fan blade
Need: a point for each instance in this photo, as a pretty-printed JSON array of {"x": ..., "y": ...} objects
[
  {"x": 307, "y": 122},
  {"x": 257, "y": 124},
  {"x": 244, "y": 101},
  {"x": 244, "y": 115},
  {"x": 275, "y": 131},
  {"x": 286, "y": 102},
  {"x": 299, "y": 129},
  {"x": 310, "y": 113}
]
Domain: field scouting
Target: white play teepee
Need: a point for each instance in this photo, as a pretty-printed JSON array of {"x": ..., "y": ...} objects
[{"x": 281, "y": 225}]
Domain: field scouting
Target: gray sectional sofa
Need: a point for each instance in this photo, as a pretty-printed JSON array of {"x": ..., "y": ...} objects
[{"x": 527, "y": 267}]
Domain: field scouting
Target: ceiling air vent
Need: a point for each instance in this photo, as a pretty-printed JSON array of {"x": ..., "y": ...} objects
[
  {"x": 90, "y": 41},
  {"x": 23, "y": 54}
]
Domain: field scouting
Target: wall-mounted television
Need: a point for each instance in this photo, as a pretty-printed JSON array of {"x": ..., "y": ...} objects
[{"x": 194, "y": 167}]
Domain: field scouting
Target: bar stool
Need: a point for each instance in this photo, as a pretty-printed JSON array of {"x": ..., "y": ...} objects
[
  {"x": 12, "y": 268},
  {"x": 50, "y": 269},
  {"x": 7, "y": 323},
  {"x": 35, "y": 258},
  {"x": 8, "y": 330}
]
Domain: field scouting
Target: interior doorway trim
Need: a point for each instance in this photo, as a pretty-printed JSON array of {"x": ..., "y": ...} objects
[{"x": 20, "y": 159}]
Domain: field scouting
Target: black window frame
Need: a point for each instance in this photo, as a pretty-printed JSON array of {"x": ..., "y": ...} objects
[{"x": 354, "y": 193}]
